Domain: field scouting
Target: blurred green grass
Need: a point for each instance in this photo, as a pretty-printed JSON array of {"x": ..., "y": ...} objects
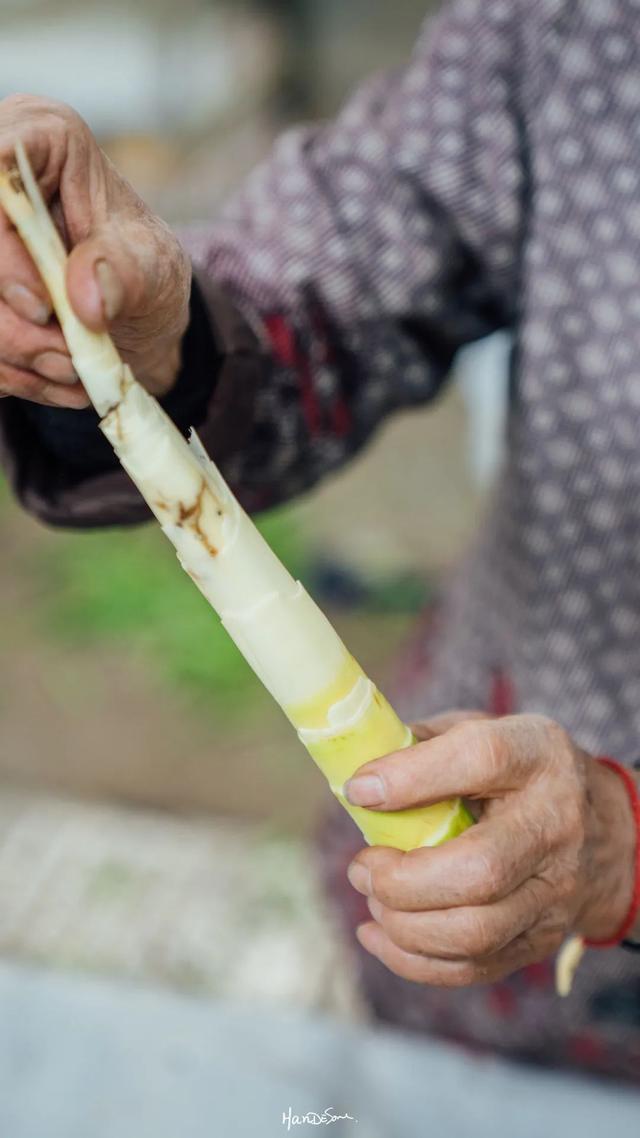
[{"x": 127, "y": 587}]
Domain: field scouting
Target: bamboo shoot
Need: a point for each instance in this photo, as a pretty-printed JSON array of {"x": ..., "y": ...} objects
[{"x": 339, "y": 715}]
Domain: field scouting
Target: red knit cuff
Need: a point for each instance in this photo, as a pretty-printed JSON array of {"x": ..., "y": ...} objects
[{"x": 634, "y": 908}]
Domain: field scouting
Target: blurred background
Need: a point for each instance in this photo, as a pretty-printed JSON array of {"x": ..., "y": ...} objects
[{"x": 157, "y": 889}]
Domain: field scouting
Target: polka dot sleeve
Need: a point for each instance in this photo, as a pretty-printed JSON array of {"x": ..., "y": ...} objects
[{"x": 368, "y": 250}]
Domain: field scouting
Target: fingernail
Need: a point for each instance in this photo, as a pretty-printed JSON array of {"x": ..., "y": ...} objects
[
  {"x": 55, "y": 365},
  {"x": 365, "y": 790},
  {"x": 360, "y": 877},
  {"x": 27, "y": 304},
  {"x": 111, "y": 289}
]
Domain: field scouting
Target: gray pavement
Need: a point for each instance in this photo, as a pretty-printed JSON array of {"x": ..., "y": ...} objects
[
  {"x": 166, "y": 977},
  {"x": 211, "y": 906},
  {"x": 91, "y": 1058}
]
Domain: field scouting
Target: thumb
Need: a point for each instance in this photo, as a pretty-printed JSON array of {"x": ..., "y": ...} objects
[{"x": 104, "y": 280}]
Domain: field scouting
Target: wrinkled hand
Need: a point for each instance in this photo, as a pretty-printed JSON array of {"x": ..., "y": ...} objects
[
  {"x": 552, "y": 852},
  {"x": 126, "y": 271}
]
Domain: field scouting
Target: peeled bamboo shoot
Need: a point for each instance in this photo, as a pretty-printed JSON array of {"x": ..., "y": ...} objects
[{"x": 339, "y": 715}]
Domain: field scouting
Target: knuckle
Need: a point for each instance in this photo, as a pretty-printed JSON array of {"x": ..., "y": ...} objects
[
  {"x": 394, "y": 878},
  {"x": 23, "y": 104},
  {"x": 65, "y": 112},
  {"x": 488, "y": 745},
  {"x": 477, "y": 935},
  {"x": 385, "y": 886},
  {"x": 485, "y": 744},
  {"x": 404, "y": 933},
  {"x": 557, "y": 740},
  {"x": 36, "y": 111},
  {"x": 69, "y": 120},
  {"x": 56, "y": 108},
  {"x": 18, "y": 101},
  {"x": 495, "y": 749},
  {"x": 556, "y": 733},
  {"x": 485, "y": 875}
]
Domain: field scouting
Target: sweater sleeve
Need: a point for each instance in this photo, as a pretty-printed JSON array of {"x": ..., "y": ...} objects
[
  {"x": 64, "y": 471},
  {"x": 347, "y": 272},
  {"x": 366, "y": 251}
]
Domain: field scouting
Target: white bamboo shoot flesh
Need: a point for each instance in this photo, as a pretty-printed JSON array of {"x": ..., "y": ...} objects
[{"x": 339, "y": 715}]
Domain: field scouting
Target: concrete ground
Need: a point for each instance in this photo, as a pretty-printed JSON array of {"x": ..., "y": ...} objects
[
  {"x": 105, "y": 1059},
  {"x": 208, "y": 907},
  {"x": 180, "y": 978}
]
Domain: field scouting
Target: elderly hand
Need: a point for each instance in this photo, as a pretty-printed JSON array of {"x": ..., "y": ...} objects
[
  {"x": 126, "y": 272},
  {"x": 552, "y": 852}
]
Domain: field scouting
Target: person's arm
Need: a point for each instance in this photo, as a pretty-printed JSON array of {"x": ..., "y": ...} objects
[
  {"x": 367, "y": 251},
  {"x": 345, "y": 275},
  {"x": 62, "y": 468}
]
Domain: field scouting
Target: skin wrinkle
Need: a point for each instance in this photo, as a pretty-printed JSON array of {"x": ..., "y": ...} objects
[
  {"x": 456, "y": 933},
  {"x": 607, "y": 814},
  {"x": 102, "y": 218},
  {"x": 39, "y": 390},
  {"x": 540, "y": 863}
]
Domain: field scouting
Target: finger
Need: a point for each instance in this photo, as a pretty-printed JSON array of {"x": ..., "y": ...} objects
[
  {"x": 21, "y": 286},
  {"x": 478, "y": 759},
  {"x": 466, "y": 932},
  {"x": 25, "y": 384},
  {"x": 73, "y": 398},
  {"x": 530, "y": 948},
  {"x": 56, "y": 366},
  {"x": 26, "y": 345},
  {"x": 111, "y": 275},
  {"x": 62, "y": 155},
  {"x": 42, "y": 126},
  {"x": 482, "y": 865},
  {"x": 439, "y": 724},
  {"x": 419, "y": 969}
]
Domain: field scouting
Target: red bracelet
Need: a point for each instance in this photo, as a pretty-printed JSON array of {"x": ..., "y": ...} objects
[{"x": 634, "y": 908}]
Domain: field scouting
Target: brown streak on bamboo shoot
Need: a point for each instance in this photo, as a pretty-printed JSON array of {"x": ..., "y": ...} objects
[
  {"x": 124, "y": 383},
  {"x": 113, "y": 413},
  {"x": 15, "y": 181},
  {"x": 193, "y": 516}
]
